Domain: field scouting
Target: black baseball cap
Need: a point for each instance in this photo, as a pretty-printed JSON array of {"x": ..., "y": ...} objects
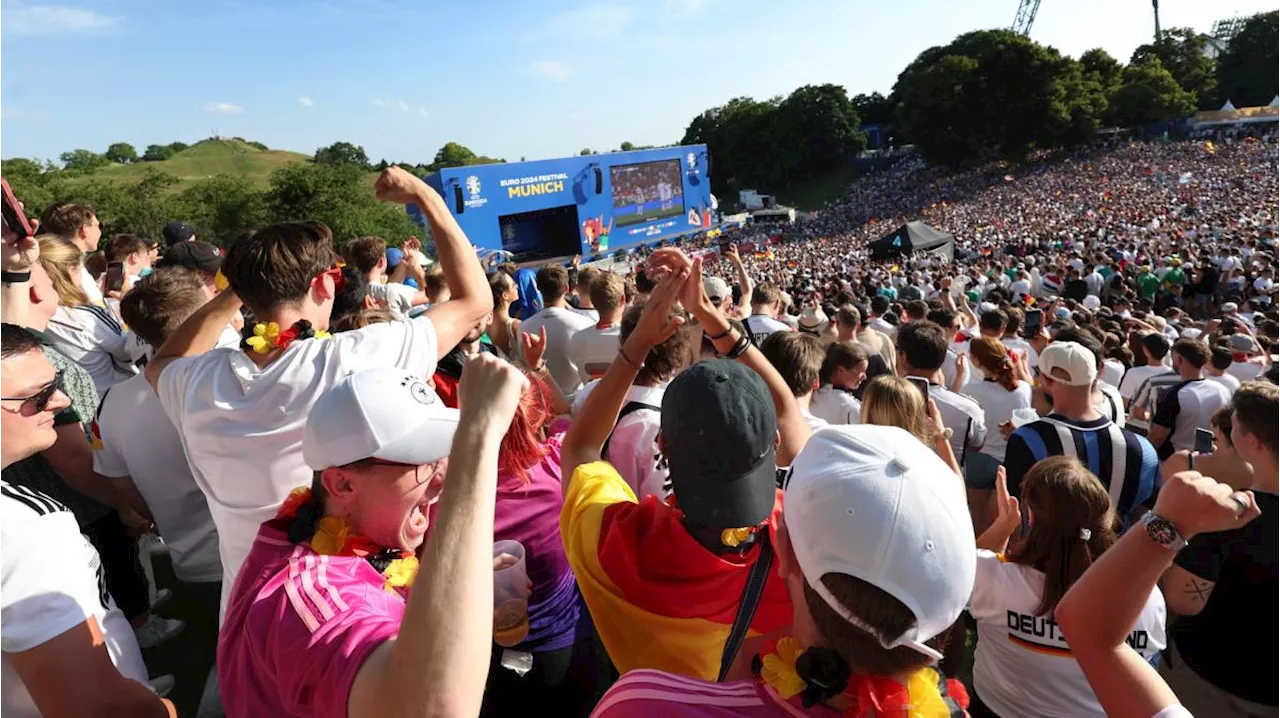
[
  {"x": 720, "y": 432},
  {"x": 200, "y": 256},
  {"x": 177, "y": 232}
]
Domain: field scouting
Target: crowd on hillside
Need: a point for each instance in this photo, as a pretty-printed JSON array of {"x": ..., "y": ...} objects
[{"x": 774, "y": 478}]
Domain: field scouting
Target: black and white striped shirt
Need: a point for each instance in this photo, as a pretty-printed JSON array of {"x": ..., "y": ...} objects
[{"x": 1125, "y": 462}]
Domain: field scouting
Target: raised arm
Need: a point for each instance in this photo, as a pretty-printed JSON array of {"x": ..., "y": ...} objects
[
  {"x": 599, "y": 412},
  {"x": 791, "y": 424},
  {"x": 438, "y": 663},
  {"x": 470, "y": 299},
  {"x": 1098, "y": 612},
  {"x": 19, "y": 255},
  {"x": 744, "y": 280},
  {"x": 197, "y": 335}
]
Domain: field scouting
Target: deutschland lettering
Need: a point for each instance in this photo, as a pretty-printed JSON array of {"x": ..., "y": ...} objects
[
  {"x": 530, "y": 190},
  {"x": 1023, "y": 627}
]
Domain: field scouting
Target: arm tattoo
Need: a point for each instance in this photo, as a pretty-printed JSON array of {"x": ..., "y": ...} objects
[{"x": 1197, "y": 590}]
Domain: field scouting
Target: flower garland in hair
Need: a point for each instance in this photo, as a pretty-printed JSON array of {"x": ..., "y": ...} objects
[
  {"x": 331, "y": 536},
  {"x": 819, "y": 675},
  {"x": 265, "y": 338}
]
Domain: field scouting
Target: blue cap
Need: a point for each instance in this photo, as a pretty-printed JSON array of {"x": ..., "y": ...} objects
[{"x": 394, "y": 256}]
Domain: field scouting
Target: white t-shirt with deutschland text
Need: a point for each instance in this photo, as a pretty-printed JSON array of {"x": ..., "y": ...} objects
[
  {"x": 1023, "y": 665},
  {"x": 241, "y": 426},
  {"x": 51, "y": 581}
]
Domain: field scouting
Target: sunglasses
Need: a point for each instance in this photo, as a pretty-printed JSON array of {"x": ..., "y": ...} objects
[
  {"x": 40, "y": 400},
  {"x": 334, "y": 273}
]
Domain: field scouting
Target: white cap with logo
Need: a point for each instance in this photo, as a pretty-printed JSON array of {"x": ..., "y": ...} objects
[
  {"x": 874, "y": 503},
  {"x": 1078, "y": 363},
  {"x": 383, "y": 413}
]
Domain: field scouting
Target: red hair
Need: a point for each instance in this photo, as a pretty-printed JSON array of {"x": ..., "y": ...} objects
[{"x": 522, "y": 448}]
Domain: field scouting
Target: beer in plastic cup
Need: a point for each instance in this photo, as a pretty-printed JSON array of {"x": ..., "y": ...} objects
[{"x": 510, "y": 594}]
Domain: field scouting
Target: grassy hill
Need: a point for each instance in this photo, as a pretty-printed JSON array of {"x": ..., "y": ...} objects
[{"x": 204, "y": 160}]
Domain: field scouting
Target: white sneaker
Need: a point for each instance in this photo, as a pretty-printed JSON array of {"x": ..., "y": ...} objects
[
  {"x": 162, "y": 597},
  {"x": 157, "y": 630},
  {"x": 161, "y": 685}
]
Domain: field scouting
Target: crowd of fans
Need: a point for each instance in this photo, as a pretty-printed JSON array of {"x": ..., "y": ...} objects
[{"x": 774, "y": 478}]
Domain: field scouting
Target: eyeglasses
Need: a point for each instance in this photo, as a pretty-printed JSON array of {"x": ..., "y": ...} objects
[
  {"x": 334, "y": 273},
  {"x": 40, "y": 400}
]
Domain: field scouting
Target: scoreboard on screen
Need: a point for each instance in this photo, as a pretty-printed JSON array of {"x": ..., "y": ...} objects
[{"x": 586, "y": 205}]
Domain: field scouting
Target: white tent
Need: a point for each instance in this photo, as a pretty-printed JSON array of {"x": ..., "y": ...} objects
[
  {"x": 1228, "y": 107},
  {"x": 1275, "y": 102}
]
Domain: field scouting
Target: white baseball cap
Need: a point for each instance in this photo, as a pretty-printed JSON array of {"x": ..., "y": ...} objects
[
  {"x": 875, "y": 503},
  {"x": 383, "y": 413},
  {"x": 716, "y": 288},
  {"x": 1079, "y": 364}
]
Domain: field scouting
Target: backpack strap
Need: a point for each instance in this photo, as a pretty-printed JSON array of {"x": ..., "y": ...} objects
[
  {"x": 630, "y": 407},
  {"x": 751, "y": 594}
]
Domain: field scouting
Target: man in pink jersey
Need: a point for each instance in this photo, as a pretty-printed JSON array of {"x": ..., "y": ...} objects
[
  {"x": 321, "y": 621},
  {"x": 876, "y": 548}
]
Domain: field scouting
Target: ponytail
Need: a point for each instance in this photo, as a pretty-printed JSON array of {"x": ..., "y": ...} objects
[
  {"x": 1005, "y": 376},
  {"x": 993, "y": 358},
  {"x": 1073, "y": 523}
]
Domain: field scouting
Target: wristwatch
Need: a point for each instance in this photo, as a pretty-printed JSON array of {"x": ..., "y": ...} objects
[
  {"x": 1162, "y": 531},
  {"x": 15, "y": 277}
]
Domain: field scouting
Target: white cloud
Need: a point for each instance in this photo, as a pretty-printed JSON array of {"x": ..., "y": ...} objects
[
  {"x": 553, "y": 70},
  {"x": 599, "y": 22},
  {"x": 306, "y": 102},
  {"x": 422, "y": 111},
  {"x": 392, "y": 104},
  {"x": 685, "y": 9},
  {"x": 223, "y": 108},
  {"x": 22, "y": 19}
]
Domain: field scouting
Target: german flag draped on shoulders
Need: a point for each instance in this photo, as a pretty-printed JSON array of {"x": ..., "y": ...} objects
[
  {"x": 659, "y": 598},
  {"x": 664, "y": 579}
]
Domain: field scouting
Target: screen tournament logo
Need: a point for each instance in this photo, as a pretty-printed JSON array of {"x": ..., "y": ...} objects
[
  {"x": 473, "y": 190},
  {"x": 692, "y": 160}
]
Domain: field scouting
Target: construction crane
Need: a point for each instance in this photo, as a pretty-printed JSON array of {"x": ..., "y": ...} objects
[{"x": 1027, "y": 15}]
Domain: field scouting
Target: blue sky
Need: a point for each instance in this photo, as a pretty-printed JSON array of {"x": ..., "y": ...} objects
[{"x": 507, "y": 78}]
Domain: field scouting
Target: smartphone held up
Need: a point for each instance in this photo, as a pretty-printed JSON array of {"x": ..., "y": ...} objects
[{"x": 15, "y": 222}]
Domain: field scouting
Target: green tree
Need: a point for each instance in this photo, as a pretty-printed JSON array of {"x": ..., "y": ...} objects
[
  {"x": 1100, "y": 65},
  {"x": 177, "y": 147},
  {"x": 823, "y": 126},
  {"x": 1248, "y": 72},
  {"x": 994, "y": 93},
  {"x": 222, "y": 206},
  {"x": 121, "y": 153},
  {"x": 745, "y": 136},
  {"x": 31, "y": 182},
  {"x": 339, "y": 196},
  {"x": 873, "y": 109},
  {"x": 586, "y": 151},
  {"x": 626, "y": 147},
  {"x": 342, "y": 153},
  {"x": 452, "y": 154},
  {"x": 1148, "y": 94},
  {"x": 157, "y": 153},
  {"x": 1181, "y": 51},
  {"x": 82, "y": 161}
]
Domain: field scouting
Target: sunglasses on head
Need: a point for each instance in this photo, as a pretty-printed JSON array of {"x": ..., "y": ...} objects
[
  {"x": 40, "y": 400},
  {"x": 334, "y": 273}
]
